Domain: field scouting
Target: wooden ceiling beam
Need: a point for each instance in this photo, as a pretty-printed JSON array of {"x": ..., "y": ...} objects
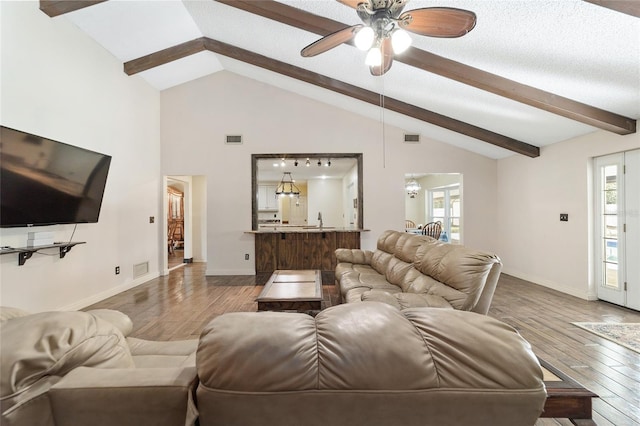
[
  {"x": 629, "y": 7},
  {"x": 164, "y": 56},
  {"x": 172, "y": 53},
  {"x": 447, "y": 68},
  {"x": 59, "y": 7}
]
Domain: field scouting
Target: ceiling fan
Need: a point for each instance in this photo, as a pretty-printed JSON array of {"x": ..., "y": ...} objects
[{"x": 384, "y": 32}]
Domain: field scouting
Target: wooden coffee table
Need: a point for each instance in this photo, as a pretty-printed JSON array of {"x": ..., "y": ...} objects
[
  {"x": 566, "y": 398},
  {"x": 292, "y": 290}
]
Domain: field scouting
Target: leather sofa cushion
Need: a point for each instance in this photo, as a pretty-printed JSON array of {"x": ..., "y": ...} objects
[
  {"x": 378, "y": 365},
  {"x": 379, "y": 261},
  {"x": 401, "y": 300},
  {"x": 407, "y": 245},
  {"x": 387, "y": 241},
  {"x": 157, "y": 354},
  {"x": 344, "y": 268},
  {"x": 120, "y": 320},
  {"x": 364, "y": 346},
  {"x": 354, "y": 280},
  {"x": 353, "y": 256},
  {"x": 53, "y": 343},
  {"x": 456, "y": 266},
  {"x": 396, "y": 271}
]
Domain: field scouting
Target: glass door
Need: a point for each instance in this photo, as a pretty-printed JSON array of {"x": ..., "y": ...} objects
[
  {"x": 616, "y": 187},
  {"x": 444, "y": 205}
]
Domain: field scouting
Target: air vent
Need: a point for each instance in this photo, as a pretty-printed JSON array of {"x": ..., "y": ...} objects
[
  {"x": 411, "y": 138},
  {"x": 140, "y": 269},
  {"x": 234, "y": 139}
]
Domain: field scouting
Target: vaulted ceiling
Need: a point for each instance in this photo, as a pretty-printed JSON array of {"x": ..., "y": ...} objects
[{"x": 531, "y": 73}]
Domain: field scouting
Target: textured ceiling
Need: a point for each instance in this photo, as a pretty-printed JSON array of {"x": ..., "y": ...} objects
[{"x": 570, "y": 48}]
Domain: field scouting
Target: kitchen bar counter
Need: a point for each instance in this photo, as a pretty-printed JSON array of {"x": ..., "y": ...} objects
[
  {"x": 270, "y": 229},
  {"x": 301, "y": 247}
]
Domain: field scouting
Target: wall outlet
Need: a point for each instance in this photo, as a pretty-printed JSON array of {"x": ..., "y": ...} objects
[
  {"x": 246, "y": 256},
  {"x": 152, "y": 219},
  {"x": 117, "y": 270},
  {"x": 564, "y": 217}
]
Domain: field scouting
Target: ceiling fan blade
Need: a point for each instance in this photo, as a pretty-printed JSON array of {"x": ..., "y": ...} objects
[
  {"x": 438, "y": 21},
  {"x": 387, "y": 59},
  {"x": 330, "y": 41}
]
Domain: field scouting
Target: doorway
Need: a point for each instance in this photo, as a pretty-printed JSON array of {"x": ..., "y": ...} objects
[
  {"x": 617, "y": 228},
  {"x": 435, "y": 197},
  {"x": 184, "y": 225}
]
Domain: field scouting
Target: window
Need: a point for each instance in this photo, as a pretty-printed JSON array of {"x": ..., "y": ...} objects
[{"x": 444, "y": 205}]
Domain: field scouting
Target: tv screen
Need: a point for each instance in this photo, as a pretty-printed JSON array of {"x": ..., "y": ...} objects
[{"x": 44, "y": 182}]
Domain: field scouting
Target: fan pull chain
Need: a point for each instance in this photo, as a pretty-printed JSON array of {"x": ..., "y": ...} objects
[{"x": 384, "y": 139}]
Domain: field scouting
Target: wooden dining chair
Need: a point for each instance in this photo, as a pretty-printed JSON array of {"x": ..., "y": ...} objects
[
  {"x": 432, "y": 229},
  {"x": 409, "y": 224}
]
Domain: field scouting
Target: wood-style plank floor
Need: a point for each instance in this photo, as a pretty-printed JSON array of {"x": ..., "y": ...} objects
[{"x": 179, "y": 305}]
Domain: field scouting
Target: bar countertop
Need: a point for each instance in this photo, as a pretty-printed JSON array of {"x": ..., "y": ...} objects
[{"x": 271, "y": 229}]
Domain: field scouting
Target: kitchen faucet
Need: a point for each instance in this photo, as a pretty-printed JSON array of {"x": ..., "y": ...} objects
[{"x": 320, "y": 218}]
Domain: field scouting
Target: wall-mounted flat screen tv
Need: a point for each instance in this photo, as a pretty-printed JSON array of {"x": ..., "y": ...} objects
[{"x": 44, "y": 182}]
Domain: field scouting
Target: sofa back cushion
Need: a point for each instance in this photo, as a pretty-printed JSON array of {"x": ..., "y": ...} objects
[
  {"x": 53, "y": 343},
  {"x": 376, "y": 364},
  {"x": 458, "y": 267},
  {"x": 407, "y": 245},
  {"x": 387, "y": 241}
]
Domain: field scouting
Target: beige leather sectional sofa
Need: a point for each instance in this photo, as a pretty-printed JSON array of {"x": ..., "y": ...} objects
[
  {"x": 408, "y": 270},
  {"x": 352, "y": 364}
]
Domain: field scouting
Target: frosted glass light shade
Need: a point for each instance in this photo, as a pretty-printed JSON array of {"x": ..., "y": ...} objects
[
  {"x": 364, "y": 38},
  {"x": 400, "y": 41},
  {"x": 374, "y": 57}
]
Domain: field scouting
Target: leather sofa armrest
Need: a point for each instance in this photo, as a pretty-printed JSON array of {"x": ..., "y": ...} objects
[
  {"x": 118, "y": 319},
  {"x": 358, "y": 256},
  {"x": 124, "y": 397}
]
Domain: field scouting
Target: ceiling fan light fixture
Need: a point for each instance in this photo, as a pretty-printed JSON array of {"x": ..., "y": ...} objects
[
  {"x": 400, "y": 41},
  {"x": 374, "y": 57},
  {"x": 364, "y": 38}
]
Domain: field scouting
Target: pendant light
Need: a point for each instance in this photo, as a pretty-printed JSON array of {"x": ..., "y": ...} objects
[{"x": 287, "y": 186}]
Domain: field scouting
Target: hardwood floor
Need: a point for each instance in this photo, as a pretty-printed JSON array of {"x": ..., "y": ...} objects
[{"x": 179, "y": 305}]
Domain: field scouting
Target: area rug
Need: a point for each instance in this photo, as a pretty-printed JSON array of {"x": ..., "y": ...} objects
[{"x": 625, "y": 334}]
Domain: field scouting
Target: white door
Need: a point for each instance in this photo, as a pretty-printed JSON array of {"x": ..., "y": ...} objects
[
  {"x": 632, "y": 234},
  {"x": 617, "y": 233}
]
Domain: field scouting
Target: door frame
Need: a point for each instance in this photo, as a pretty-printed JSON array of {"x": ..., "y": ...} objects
[{"x": 627, "y": 292}]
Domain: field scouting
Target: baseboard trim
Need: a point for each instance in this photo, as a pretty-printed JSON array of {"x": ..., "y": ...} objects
[
  {"x": 586, "y": 295},
  {"x": 230, "y": 271},
  {"x": 81, "y": 304}
]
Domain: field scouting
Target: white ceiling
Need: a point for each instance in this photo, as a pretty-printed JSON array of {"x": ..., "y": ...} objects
[{"x": 571, "y": 48}]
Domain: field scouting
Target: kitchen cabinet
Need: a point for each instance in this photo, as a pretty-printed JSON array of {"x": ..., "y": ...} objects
[{"x": 267, "y": 200}]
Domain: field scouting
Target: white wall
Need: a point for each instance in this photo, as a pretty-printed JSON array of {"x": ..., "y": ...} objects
[
  {"x": 322, "y": 198},
  {"x": 199, "y": 218},
  {"x": 59, "y": 84},
  {"x": 197, "y": 115},
  {"x": 350, "y": 193},
  {"x": 533, "y": 243}
]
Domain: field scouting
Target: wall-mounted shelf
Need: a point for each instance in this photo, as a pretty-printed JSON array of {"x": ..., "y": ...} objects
[{"x": 25, "y": 253}]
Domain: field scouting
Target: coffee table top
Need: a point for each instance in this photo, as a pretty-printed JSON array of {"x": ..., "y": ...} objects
[{"x": 292, "y": 285}]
